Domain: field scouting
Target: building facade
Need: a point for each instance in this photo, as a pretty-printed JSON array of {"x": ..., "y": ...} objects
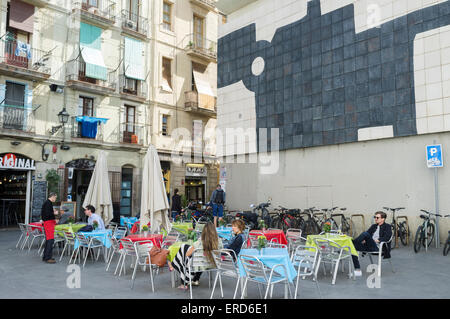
[
  {"x": 122, "y": 73},
  {"x": 346, "y": 95}
]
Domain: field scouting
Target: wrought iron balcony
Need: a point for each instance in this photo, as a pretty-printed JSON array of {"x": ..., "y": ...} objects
[
  {"x": 76, "y": 78},
  {"x": 77, "y": 130},
  {"x": 205, "y": 4},
  {"x": 135, "y": 24},
  {"x": 133, "y": 133},
  {"x": 191, "y": 104},
  {"x": 131, "y": 89},
  {"x": 17, "y": 118},
  {"x": 20, "y": 59},
  {"x": 202, "y": 48},
  {"x": 99, "y": 11}
]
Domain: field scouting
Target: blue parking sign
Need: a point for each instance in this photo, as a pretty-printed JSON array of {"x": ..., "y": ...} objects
[{"x": 434, "y": 156}]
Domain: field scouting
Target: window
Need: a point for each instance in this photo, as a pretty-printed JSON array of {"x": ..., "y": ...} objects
[
  {"x": 133, "y": 8},
  {"x": 166, "y": 74},
  {"x": 86, "y": 106},
  {"x": 14, "y": 114},
  {"x": 130, "y": 116},
  {"x": 89, "y": 3},
  {"x": 126, "y": 191},
  {"x": 167, "y": 11},
  {"x": 165, "y": 125},
  {"x": 198, "y": 31}
]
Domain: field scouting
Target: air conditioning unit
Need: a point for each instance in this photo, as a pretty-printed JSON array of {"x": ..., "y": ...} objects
[
  {"x": 130, "y": 24},
  {"x": 93, "y": 10}
]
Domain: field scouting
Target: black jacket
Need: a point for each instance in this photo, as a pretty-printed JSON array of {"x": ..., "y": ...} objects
[
  {"x": 47, "y": 212},
  {"x": 385, "y": 235},
  {"x": 176, "y": 203}
]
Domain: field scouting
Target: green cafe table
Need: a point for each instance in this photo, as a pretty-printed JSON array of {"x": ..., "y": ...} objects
[
  {"x": 342, "y": 240},
  {"x": 73, "y": 228},
  {"x": 182, "y": 227}
]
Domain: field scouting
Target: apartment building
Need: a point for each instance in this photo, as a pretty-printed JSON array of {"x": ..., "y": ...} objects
[{"x": 80, "y": 77}]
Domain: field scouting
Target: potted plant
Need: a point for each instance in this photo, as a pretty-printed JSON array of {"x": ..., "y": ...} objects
[
  {"x": 262, "y": 242},
  {"x": 190, "y": 45},
  {"x": 52, "y": 179},
  {"x": 262, "y": 225},
  {"x": 326, "y": 228},
  {"x": 222, "y": 223},
  {"x": 145, "y": 230},
  {"x": 70, "y": 220},
  {"x": 95, "y": 224}
]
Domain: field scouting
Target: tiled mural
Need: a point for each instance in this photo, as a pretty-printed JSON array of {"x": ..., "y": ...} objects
[{"x": 322, "y": 83}]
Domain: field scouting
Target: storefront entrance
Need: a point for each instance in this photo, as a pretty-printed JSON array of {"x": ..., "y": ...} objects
[{"x": 195, "y": 190}]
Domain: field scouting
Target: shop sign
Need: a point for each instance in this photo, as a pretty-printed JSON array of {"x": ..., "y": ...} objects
[
  {"x": 196, "y": 170},
  {"x": 13, "y": 161}
]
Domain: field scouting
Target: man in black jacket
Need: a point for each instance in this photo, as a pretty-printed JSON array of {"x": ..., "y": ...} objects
[
  {"x": 176, "y": 204},
  {"x": 370, "y": 240},
  {"x": 48, "y": 216}
]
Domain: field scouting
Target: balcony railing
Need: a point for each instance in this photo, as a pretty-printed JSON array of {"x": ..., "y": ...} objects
[
  {"x": 134, "y": 89},
  {"x": 191, "y": 104},
  {"x": 37, "y": 3},
  {"x": 77, "y": 130},
  {"x": 22, "y": 55},
  {"x": 135, "y": 23},
  {"x": 202, "y": 47},
  {"x": 100, "y": 10},
  {"x": 76, "y": 77},
  {"x": 206, "y": 4},
  {"x": 17, "y": 118},
  {"x": 133, "y": 133}
]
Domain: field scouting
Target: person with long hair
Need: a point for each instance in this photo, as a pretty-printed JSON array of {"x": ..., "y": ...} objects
[{"x": 209, "y": 241}]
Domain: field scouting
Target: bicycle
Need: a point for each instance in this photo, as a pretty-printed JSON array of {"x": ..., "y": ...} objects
[
  {"x": 284, "y": 219},
  {"x": 309, "y": 226},
  {"x": 346, "y": 225},
  {"x": 425, "y": 232},
  {"x": 400, "y": 230},
  {"x": 447, "y": 242},
  {"x": 327, "y": 217}
]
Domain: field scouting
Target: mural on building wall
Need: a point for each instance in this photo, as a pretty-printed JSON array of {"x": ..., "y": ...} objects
[{"x": 322, "y": 82}]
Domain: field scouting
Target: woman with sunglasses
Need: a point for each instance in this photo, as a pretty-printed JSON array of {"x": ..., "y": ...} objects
[{"x": 370, "y": 240}]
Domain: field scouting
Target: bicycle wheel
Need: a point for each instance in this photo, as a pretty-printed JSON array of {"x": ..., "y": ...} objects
[
  {"x": 430, "y": 234},
  {"x": 274, "y": 223},
  {"x": 394, "y": 238},
  {"x": 345, "y": 227},
  {"x": 403, "y": 233},
  {"x": 418, "y": 239},
  {"x": 447, "y": 247}
]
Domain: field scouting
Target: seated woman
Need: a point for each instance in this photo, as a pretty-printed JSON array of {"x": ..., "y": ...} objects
[
  {"x": 209, "y": 242},
  {"x": 237, "y": 241}
]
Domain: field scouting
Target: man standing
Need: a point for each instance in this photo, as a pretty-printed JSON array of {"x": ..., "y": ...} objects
[
  {"x": 92, "y": 216},
  {"x": 370, "y": 240},
  {"x": 217, "y": 200},
  {"x": 176, "y": 204},
  {"x": 48, "y": 216}
]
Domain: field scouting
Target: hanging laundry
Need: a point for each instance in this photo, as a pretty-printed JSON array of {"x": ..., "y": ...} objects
[
  {"x": 23, "y": 49},
  {"x": 89, "y": 125}
]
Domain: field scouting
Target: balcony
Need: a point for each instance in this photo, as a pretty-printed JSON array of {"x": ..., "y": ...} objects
[
  {"x": 21, "y": 60},
  {"x": 77, "y": 80},
  {"x": 103, "y": 13},
  {"x": 191, "y": 105},
  {"x": 77, "y": 131},
  {"x": 205, "y": 4},
  {"x": 132, "y": 133},
  {"x": 135, "y": 24},
  {"x": 202, "y": 48},
  {"x": 16, "y": 118},
  {"x": 134, "y": 90},
  {"x": 37, "y": 3}
]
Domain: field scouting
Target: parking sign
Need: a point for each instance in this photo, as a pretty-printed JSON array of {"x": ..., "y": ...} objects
[{"x": 434, "y": 156}]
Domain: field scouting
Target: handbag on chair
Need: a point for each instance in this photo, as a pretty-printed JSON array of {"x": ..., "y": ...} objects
[{"x": 158, "y": 256}]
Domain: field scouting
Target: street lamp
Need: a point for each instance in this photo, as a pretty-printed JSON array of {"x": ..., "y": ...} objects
[{"x": 63, "y": 118}]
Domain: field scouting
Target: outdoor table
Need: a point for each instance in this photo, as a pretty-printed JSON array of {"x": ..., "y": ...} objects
[
  {"x": 182, "y": 227},
  {"x": 225, "y": 232},
  {"x": 269, "y": 234},
  {"x": 155, "y": 238},
  {"x": 103, "y": 236},
  {"x": 128, "y": 221},
  {"x": 73, "y": 228},
  {"x": 342, "y": 240},
  {"x": 271, "y": 257},
  {"x": 39, "y": 224}
]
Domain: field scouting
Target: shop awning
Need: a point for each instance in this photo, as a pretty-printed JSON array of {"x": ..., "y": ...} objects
[
  {"x": 133, "y": 60},
  {"x": 206, "y": 97},
  {"x": 91, "y": 51}
]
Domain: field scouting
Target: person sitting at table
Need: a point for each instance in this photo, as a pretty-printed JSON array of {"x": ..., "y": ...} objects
[
  {"x": 209, "y": 242},
  {"x": 237, "y": 241},
  {"x": 65, "y": 215},
  {"x": 369, "y": 241},
  {"x": 92, "y": 216}
]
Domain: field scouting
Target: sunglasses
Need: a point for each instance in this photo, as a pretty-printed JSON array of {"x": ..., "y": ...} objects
[{"x": 378, "y": 217}]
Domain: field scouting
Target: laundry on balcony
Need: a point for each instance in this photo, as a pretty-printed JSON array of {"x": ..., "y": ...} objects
[
  {"x": 23, "y": 49},
  {"x": 89, "y": 125}
]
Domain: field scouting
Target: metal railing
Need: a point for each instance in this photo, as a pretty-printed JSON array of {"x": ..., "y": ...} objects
[
  {"x": 133, "y": 87},
  {"x": 191, "y": 100},
  {"x": 133, "y": 133},
  {"x": 76, "y": 71},
  {"x": 103, "y": 8},
  {"x": 77, "y": 130},
  {"x": 17, "y": 118},
  {"x": 209, "y": 3},
  {"x": 202, "y": 46},
  {"x": 134, "y": 22},
  {"x": 22, "y": 55}
]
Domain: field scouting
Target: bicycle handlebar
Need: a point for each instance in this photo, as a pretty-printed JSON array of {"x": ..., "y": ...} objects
[
  {"x": 423, "y": 210},
  {"x": 393, "y": 209}
]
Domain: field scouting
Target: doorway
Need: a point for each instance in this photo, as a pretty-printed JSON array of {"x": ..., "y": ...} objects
[
  {"x": 13, "y": 195},
  {"x": 195, "y": 190}
]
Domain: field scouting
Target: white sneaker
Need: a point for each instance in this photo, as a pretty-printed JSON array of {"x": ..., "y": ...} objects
[{"x": 358, "y": 273}]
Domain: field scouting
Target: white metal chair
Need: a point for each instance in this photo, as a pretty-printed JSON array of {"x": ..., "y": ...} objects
[
  {"x": 199, "y": 261},
  {"x": 34, "y": 232},
  {"x": 294, "y": 238},
  {"x": 257, "y": 272},
  {"x": 115, "y": 248},
  {"x": 23, "y": 234},
  {"x": 69, "y": 238},
  {"x": 88, "y": 243},
  {"x": 225, "y": 260},
  {"x": 58, "y": 238},
  {"x": 304, "y": 259},
  {"x": 333, "y": 253},
  {"x": 274, "y": 244},
  {"x": 169, "y": 240},
  {"x": 253, "y": 238},
  {"x": 379, "y": 253},
  {"x": 120, "y": 232}
]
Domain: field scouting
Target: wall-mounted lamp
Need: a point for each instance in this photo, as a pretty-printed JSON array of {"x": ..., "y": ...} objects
[
  {"x": 63, "y": 117},
  {"x": 57, "y": 88},
  {"x": 45, "y": 153}
]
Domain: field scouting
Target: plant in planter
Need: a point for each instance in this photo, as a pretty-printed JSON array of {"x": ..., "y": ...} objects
[
  {"x": 326, "y": 227},
  {"x": 52, "y": 179},
  {"x": 70, "y": 220},
  {"x": 95, "y": 224},
  {"x": 262, "y": 242},
  {"x": 262, "y": 224},
  {"x": 222, "y": 223},
  {"x": 145, "y": 230}
]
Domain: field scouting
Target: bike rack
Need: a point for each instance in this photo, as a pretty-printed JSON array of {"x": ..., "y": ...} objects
[
  {"x": 342, "y": 216},
  {"x": 407, "y": 228},
  {"x": 363, "y": 221}
]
